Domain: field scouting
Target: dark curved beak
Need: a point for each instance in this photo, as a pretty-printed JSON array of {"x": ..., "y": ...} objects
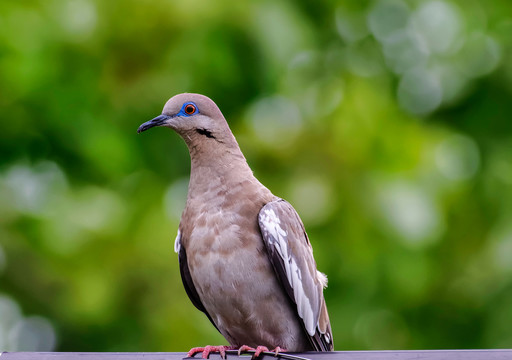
[{"x": 158, "y": 121}]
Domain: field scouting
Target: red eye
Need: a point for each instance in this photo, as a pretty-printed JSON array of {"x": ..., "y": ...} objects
[{"x": 190, "y": 109}]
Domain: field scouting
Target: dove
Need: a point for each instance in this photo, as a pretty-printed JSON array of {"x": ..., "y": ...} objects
[{"x": 245, "y": 259}]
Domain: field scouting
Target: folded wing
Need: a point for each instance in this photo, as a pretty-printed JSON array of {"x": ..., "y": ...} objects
[{"x": 291, "y": 255}]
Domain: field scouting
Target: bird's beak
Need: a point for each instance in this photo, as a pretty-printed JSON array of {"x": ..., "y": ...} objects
[{"x": 158, "y": 121}]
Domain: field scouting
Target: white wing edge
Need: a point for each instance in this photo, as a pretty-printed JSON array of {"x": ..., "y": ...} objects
[
  {"x": 177, "y": 242},
  {"x": 278, "y": 240}
]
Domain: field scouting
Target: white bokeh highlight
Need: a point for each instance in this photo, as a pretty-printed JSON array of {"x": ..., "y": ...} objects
[
  {"x": 432, "y": 51},
  {"x": 457, "y": 157},
  {"x": 19, "y": 333},
  {"x": 175, "y": 198},
  {"x": 411, "y": 212},
  {"x": 312, "y": 198},
  {"x": 275, "y": 121}
]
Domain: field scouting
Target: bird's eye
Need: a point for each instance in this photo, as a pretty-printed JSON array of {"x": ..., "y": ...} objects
[{"x": 190, "y": 109}]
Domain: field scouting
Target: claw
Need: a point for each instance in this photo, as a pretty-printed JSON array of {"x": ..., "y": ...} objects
[
  {"x": 221, "y": 349},
  {"x": 258, "y": 350},
  {"x": 277, "y": 350},
  {"x": 244, "y": 348}
]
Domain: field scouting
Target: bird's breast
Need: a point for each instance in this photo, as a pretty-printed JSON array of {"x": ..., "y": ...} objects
[{"x": 233, "y": 275}]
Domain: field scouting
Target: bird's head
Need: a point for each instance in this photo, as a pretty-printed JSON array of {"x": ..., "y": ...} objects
[{"x": 193, "y": 116}]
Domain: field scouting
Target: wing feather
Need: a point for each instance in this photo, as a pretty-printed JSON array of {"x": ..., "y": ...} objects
[
  {"x": 186, "y": 278},
  {"x": 291, "y": 255}
]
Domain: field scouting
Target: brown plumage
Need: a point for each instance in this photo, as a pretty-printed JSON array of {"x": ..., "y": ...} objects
[{"x": 245, "y": 258}]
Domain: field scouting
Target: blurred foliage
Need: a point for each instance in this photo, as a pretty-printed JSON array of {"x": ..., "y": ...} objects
[{"x": 387, "y": 124}]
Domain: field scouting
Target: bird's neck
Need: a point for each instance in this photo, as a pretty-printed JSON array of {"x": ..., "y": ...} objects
[{"x": 216, "y": 165}]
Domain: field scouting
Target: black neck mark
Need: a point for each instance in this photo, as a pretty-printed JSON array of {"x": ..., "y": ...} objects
[{"x": 206, "y": 133}]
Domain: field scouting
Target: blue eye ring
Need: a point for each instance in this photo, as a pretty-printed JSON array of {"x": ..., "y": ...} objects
[{"x": 188, "y": 109}]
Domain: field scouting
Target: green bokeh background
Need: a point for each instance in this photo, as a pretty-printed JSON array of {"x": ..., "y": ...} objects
[{"x": 387, "y": 124}]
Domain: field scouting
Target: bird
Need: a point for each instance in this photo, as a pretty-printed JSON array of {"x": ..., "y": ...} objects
[{"x": 244, "y": 255}]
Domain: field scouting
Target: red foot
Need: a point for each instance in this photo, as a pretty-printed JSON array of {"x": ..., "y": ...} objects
[
  {"x": 221, "y": 349},
  {"x": 258, "y": 350}
]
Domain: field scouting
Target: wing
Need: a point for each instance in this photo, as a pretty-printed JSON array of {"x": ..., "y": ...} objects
[
  {"x": 186, "y": 278},
  {"x": 291, "y": 255}
]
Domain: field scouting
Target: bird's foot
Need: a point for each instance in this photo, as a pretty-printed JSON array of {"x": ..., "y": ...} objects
[
  {"x": 221, "y": 349},
  {"x": 258, "y": 350}
]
